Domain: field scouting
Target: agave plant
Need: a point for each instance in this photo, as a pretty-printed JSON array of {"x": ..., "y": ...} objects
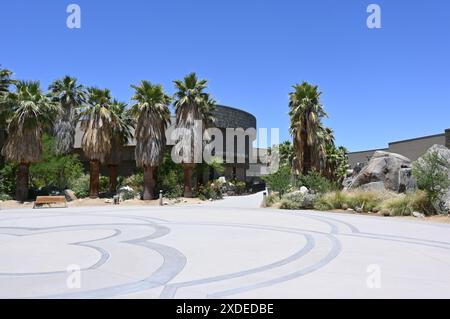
[
  {"x": 32, "y": 113},
  {"x": 152, "y": 118},
  {"x": 70, "y": 95},
  {"x": 192, "y": 104}
]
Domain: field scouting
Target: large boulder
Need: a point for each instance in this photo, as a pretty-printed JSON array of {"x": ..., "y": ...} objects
[
  {"x": 383, "y": 167},
  {"x": 406, "y": 181},
  {"x": 70, "y": 195}
]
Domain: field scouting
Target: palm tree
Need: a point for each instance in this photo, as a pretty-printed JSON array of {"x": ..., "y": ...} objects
[
  {"x": 306, "y": 113},
  {"x": 5, "y": 82},
  {"x": 121, "y": 134},
  {"x": 152, "y": 118},
  {"x": 96, "y": 124},
  {"x": 192, "y": 104},
  {"x": 31, "y": 115},
  {"x": 70, "y": 95}
]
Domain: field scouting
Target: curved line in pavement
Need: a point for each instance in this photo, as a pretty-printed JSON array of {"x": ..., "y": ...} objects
[
  {"x": 104, "y": 256},
  {"x": 173, "y": 262},
  {"x": 171, "y": 289},
  {"x": 336, "y": 249}
]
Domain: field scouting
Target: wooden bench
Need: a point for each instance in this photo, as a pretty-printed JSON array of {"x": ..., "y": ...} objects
[{"x": 49, "y": 200}]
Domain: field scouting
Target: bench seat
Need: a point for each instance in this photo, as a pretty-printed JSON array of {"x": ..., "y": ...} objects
[{"x": 49, "y": 200}]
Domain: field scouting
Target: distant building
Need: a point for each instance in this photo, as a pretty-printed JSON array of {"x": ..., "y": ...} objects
[
  {"x": 226, "y": 117},
  {"x": 412, "y": 148}
]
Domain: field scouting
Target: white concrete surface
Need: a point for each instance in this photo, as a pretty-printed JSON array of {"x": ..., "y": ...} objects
[{"x": 225, "y": 249}]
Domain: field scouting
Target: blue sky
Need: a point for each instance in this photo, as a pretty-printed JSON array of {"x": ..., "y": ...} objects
[{"x": 378, "y": 85}]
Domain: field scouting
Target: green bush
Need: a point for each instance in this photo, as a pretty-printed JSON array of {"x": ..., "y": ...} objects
[
  {"x": 239, "y": 187},
  {"x": 332, "y": 200},
  {"x": 317, "y": 183},
  {"x": 103, "y": 184},
  {"x": 80, "y": 186},
  {"x": 170, "y": 178},
  {"x": 210, "y": 191},
  {"x": 367, "y": 201},
  {"x": 128, "y": 194},
  {"x": 5, "y": 197},
  {"x": 431, "y": 175},
  {"x": 280, "y": 181},
  {"x": 271, "y": 200},
  {"x": 55, "y": 170},
  {"x": 8, "y": 178},
  {"x": 296, "y": 201},
  {"x": 135, "y": 181}
]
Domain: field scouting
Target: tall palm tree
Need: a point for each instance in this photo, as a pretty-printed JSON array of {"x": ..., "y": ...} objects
[
  {"x": 306, "y": 113},
  {"x": 121, "y": 134},
  {"x": 5, "y": 83},
  {"x": 31, "y": 115},
  {"x": 71, "y": 96},
  {"x": 152, "y": 119},
  {"x": 96, "y": 124},
  {"x": 192, "y": 104}
]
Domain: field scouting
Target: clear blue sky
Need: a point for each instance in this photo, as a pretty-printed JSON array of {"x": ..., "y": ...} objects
[{"x": 378, "y": 85}]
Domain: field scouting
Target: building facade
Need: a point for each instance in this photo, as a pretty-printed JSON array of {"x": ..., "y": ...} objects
[
  {"x": 241, "y": 168},
  {"x": 411, "y": 148}
]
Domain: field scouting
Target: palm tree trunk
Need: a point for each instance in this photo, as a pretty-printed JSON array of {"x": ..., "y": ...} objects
[
  {"x": 187, "y": 181},
  {"x": 112, "y": 169},
  {"x": 94, "y": 171},
  {"x": 149, "y": 183},
  {"x": 22, "y": 182},
  {"x": 306, "y": 150}
]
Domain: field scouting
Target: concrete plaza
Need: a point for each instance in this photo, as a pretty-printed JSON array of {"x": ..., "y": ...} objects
[{"x": 225, "y": 249}]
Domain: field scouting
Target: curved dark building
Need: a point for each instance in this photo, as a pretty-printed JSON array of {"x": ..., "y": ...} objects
[{"x": 226, "y": 117}]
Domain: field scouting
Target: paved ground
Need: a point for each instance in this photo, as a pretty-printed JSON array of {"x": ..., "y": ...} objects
[{"x": 217, "y": 251}]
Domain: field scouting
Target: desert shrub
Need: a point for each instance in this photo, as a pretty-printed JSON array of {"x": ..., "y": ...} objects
[
  {"x": 210, "y": 191},
  {"x": 238, "y": 187},
  {"x": 80, "y": 186},
  {"x": 54, "y": 170},
  {"x": 405, "y": 205},
  {"x": 135, "y": 181},
  {"x": 103, "y": 184},
  {"x": 317, "y": 183},
  {"x": 431, "y": 175},
  {"x": 280, "y": 181},
  {"x": 127, "y": 193},
  {"x": 271, "y": 200},
  {"x": 297, "y": 201},
  {"x": 8, "y": 178},
  {"x": 367, "y": 201},
  {"x": 5, "y": 197},
  {"x": 169, "y": 178},
  {"x": 332, "y": 200}
]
